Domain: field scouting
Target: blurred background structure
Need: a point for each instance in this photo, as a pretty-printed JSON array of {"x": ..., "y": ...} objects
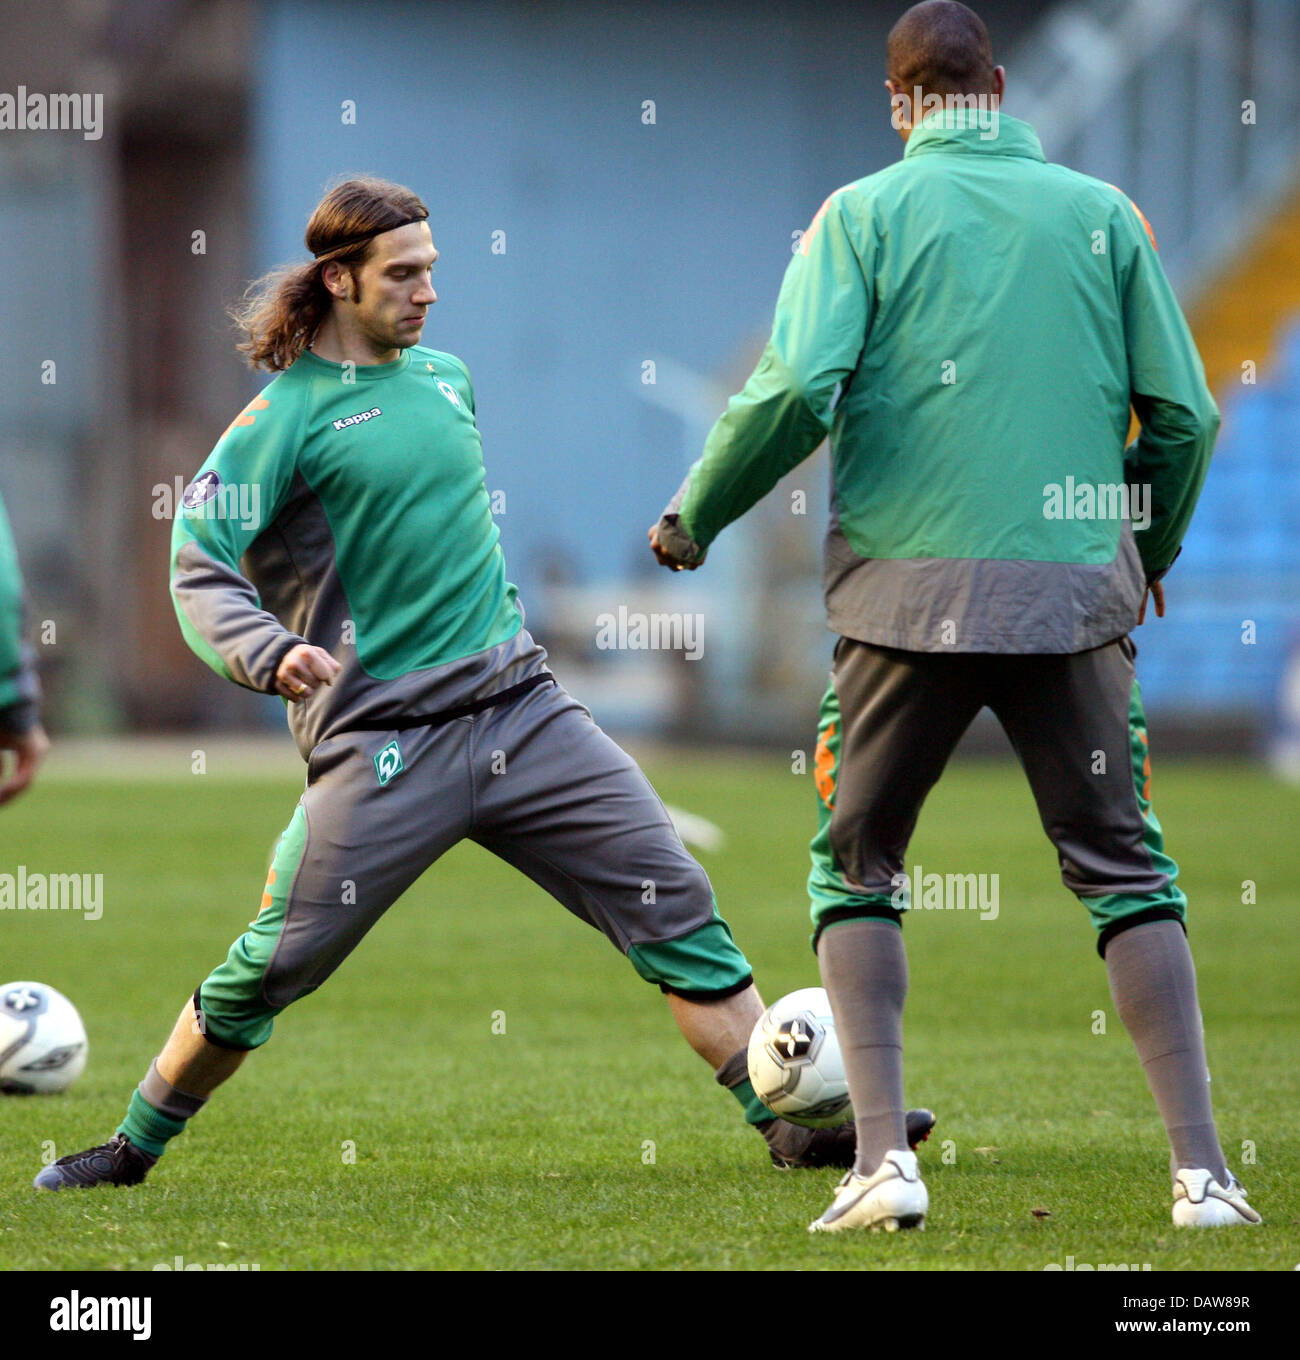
[{"x": 614, "y": 189}]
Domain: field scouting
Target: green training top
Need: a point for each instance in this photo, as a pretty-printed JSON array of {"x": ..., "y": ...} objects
[
  {"x": 19, "y": 691},
  {"x": 970, "y": 326},
  {"x": 346, "y": 507}
]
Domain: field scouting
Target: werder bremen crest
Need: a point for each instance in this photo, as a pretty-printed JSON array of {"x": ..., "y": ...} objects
[{"x": 388, "y": 763}]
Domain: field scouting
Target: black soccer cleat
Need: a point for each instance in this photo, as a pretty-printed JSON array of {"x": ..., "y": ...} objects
[
  {"x": 117, "y": 1162},
  {"x": 920, "y": 1124},
  {"x": 794, "y": 1147}
]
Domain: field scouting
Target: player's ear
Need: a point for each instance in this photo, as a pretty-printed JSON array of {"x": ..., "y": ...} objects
[
  {"x": 336, "y": 280},
  {"x": 999, "y": 81},
  {"x": 900, "y": 107}
]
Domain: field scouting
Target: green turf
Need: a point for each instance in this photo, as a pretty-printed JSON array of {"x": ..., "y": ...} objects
[{"x": 588, "y": 1135}]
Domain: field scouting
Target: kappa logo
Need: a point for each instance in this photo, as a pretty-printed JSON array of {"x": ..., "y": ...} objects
[
  {"x": 359, "y": 419},
  {"x": 388, "y": 764}
]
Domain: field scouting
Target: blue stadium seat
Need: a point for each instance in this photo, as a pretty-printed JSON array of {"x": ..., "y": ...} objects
[{"x": 1241, "y": 557}]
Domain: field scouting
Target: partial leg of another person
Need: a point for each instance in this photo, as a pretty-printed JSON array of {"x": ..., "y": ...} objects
[
  {"x": 1078, "y": 727},
  {"x": 568, "y": 807}
]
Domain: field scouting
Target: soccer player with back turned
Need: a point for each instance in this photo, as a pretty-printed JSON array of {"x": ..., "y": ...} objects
[
  {"x": 970, "y": 326},
  {"x": 371, "y": 594}
]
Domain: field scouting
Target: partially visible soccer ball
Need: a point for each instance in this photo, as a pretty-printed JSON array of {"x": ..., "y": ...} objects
[
  {"x": 794, "y": 1061},
  {"x": 42, "y": 1040}
]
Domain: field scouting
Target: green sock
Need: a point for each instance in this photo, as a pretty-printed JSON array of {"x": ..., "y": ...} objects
[
  {"x": 755, "y": 1111},
  {"x": 149, "y": 1129},
  {"x": 734, "y": 1075}
]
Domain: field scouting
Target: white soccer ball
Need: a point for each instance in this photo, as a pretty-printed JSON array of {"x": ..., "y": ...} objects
[
  {"x": 42, "y": 1040},
  {"x": 794, "y": 1060}
]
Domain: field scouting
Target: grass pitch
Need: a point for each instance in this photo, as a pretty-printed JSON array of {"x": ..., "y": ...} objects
[{"x": 387, "y": 1125}]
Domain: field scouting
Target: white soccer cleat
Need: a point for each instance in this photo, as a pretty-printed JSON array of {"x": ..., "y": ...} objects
[
  {"x": 1201, "y": 1202},
  {"x": 893, "y": 1197}
]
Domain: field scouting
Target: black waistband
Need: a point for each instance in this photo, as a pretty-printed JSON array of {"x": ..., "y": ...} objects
[{"x": 404, "y": 720}]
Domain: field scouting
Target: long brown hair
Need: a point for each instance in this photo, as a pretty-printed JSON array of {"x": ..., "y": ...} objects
[{"x": 282, "y": 310}]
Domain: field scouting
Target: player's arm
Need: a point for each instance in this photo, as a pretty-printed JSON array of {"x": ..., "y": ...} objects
[
  {"x": 20, "y": 717},
  {"x": 220, "y": 613},
  {"x": 1167, "y": 385},
  {"x": 786, "y": 408}
]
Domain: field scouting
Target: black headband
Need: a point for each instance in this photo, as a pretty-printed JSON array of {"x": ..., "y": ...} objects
[{"x": 378, "y": 231}]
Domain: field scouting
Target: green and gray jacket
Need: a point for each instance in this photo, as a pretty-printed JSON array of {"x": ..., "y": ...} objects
[
  {"x": 20, "y": 692},
  {"x": 970, "y": 326},
  {"x": 346, "y": 507}
]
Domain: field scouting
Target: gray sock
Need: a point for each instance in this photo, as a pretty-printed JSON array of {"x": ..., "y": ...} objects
[
  {"x": 864, "y": 969},
  {"x": 163, "y": 1096},
  {"x": 1153, "y": 984}
]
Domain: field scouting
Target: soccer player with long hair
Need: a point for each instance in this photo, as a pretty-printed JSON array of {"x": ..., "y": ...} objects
[{"x": 370, "y": 593}]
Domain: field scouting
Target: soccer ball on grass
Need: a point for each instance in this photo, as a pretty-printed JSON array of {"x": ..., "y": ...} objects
[
  {"x": 42, "y": 1039},
  {"x": 795, "y": 1066}
]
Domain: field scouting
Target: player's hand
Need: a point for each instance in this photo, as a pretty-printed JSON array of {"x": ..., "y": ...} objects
[
  {"x": 29, "y": 749},
  {"x": 303, "y": 668},
  {"x": 1155, "y": 591},
  {"x": 663, "y": 556}
]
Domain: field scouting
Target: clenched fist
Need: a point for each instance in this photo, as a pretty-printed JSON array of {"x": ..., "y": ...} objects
[{"x": 303, "y": 668}]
